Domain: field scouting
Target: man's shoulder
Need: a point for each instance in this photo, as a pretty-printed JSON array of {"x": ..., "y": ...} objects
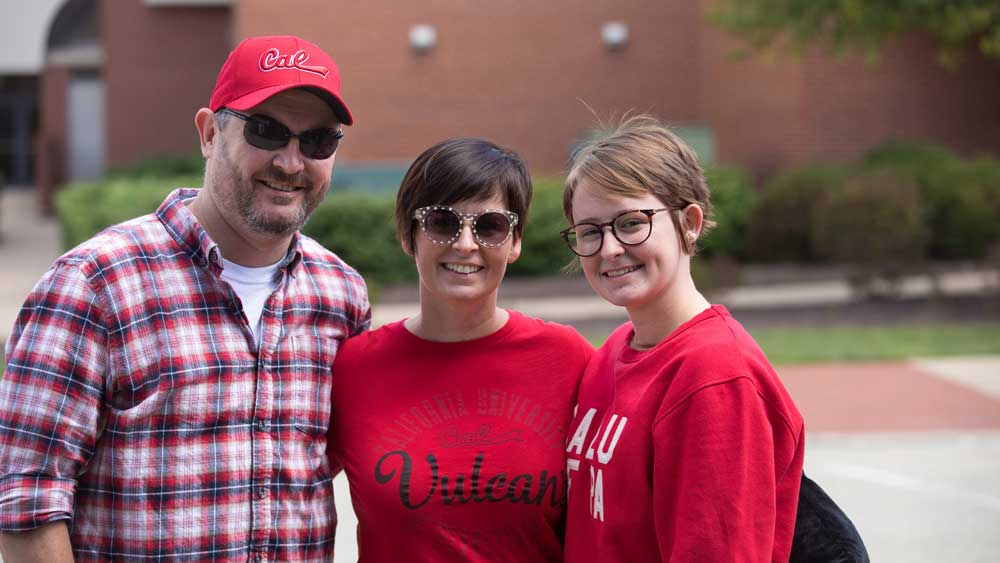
[{"x": 136, "y": 237}]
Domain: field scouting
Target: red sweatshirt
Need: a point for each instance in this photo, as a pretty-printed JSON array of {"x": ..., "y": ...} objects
[
  {"x": 454, "y": 451},
  {"x": 690, "y": 451}
]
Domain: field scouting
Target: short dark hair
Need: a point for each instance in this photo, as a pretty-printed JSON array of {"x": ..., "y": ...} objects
[{"x": 457, "y": 170}]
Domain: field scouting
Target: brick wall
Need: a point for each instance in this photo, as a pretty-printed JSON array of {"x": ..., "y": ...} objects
[
  {"x": 52, "y": 136},
  {"x": 519, "y": 72},
  {"x": 770, "y": 113},
  {"x": 160, "y": 65},
  {"x": 527, "y": 73}
]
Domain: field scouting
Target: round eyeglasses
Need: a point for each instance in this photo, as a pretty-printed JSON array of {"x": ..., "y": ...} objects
[
  {"x": 443, "y": 225},
  {"x": 628, "y": 227}
]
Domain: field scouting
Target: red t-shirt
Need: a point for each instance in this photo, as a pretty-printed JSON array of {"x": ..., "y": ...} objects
[
  {"x": 454, "y": 451},
  {"x": 690, "y": 451}
]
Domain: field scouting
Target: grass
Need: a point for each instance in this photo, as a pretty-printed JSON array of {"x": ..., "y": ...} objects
[
  {"x": 868, "y": 343},
  {"x": 800, "y": 345}
]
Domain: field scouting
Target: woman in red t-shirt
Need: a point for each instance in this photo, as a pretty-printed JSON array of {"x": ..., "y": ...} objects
[
  {"x": 685, "y": 445},
  {"x": 451, "y": 424}
]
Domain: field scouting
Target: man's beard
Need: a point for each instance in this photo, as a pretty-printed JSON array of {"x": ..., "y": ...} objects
[
  {"x": 238, "y": 192},
  {"x": 262, "y": 223}
]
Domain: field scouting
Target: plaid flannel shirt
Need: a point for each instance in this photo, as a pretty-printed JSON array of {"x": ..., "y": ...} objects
[{"x": 136, "y": 404}]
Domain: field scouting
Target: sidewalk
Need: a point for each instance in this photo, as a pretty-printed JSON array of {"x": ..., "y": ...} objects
[
  {"x": 29, "y": 244},
  {"x": 570, "y": 300},
  {"x": 911, "y": 450}
]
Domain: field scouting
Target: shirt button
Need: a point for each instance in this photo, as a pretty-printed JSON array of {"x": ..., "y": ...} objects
[
  {"x": 262, "y": 492},
  {"x": 262, "y": 425},
  {"x": 258, "y": 557}
]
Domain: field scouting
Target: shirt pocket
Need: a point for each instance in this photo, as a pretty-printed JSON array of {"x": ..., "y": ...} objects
[{"x": 309, "y": 381}]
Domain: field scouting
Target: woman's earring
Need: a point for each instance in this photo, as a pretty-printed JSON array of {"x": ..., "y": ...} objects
[{"x": 691, "y": 236}]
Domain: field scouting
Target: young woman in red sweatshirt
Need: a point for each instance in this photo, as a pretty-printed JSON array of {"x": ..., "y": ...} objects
[
  {"x": 685, "y": 445},
  {"x": 451, "y": 424}
]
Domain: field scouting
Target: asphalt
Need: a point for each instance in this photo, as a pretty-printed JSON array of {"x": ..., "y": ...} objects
[{"x": 911, "y": 450}]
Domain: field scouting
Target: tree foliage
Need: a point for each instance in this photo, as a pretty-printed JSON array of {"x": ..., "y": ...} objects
[{"x": 864, "y": 25}]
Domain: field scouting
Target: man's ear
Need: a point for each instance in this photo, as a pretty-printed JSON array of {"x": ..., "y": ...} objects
[
  {"x": 204, "y": 121},
  {"x": 515, "y": 250}
]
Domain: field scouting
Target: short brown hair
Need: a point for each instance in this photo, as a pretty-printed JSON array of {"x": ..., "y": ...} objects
[
  {"x": 640, "y": 156},
  {"x": 461, "y": 170}
]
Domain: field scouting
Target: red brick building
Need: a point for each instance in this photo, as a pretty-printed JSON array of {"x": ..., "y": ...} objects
[{"x": 527, "y": 74}]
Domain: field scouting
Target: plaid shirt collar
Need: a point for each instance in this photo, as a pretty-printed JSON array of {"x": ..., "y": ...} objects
[{"x": 184, "y": 228}]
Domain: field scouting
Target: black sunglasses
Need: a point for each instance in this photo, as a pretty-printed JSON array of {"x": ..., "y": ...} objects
[{"x": 270, "y": 134}]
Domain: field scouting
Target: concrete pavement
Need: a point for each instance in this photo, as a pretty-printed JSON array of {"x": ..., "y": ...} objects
[
  {"x": 28, "y": 245},
  {"x": 916, "y": 497},
  {"x": 911, "y": 450},
  {"x": 773, "y": 296}
]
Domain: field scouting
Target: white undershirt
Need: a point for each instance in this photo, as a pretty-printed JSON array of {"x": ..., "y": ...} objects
[{"x": 253, "y": 286}]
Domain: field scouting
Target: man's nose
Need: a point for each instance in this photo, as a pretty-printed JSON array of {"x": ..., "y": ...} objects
[{"x": 289, "y": 158}]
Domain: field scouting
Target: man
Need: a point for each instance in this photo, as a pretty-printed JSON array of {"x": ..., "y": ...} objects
[{"x": 167, "y": 386}]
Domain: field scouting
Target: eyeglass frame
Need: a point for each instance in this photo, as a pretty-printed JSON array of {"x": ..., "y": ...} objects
[
  {"x": 246, "y": 118},
  {"x": 614, "y": 232},
  {"x": 421, "y": 213}
]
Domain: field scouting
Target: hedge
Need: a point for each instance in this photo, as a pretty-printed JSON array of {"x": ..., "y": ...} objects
[
  {"x": 958, "y": 201},
  {"x": 543, "y": 251},
  {"x": 901, "y": 200},
  {"x": 961, "y": 196},
  {"x": 733, "y": 202},
  {"x": 781, "y": 226},
  {"x": 871, "y": 219},
  {"x": 84, "y": 209},
  {"x": 162, "y": 166},
  {"x": 358, "y": 227},
  {"x": 361, "y": 230}
]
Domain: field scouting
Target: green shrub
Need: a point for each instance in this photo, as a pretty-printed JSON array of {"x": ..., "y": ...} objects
[
  {"x": 957, "y": 195},
  {"x": 780, "y": 228},
  {"x": 872, "y": 219},
  {"x": 84, "y": 209},
  {"x": 912, "y": 159},
  {"x": 161, "y": 166},
  {"x": 360, "y": 228},
  {"x": 543, "y": 251},
  {"x": 733, "y": 201},
  {"x": 963, "y": 204},
  {"x": 957, "y": 199},
  {"x": 986, "y": 170}
]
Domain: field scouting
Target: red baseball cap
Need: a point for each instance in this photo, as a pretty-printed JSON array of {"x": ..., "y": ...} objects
[{"x": 260, "y": 67}]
